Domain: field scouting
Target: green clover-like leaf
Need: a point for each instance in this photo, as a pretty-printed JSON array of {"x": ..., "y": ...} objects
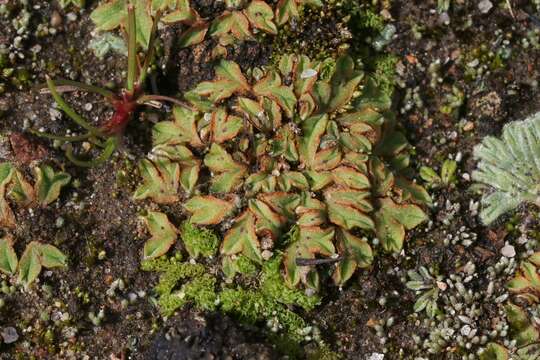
[
  {"x": 230, "y": 26},
  {"x": 49, "y": 183},
  {"x": 349, "y": 208},
  {"x": 228, "y": 173},
  {"x": 307, "y": 243},
  {"x": 21, "y": 191},
  {"x": 180, "y": 131},
  {"x": 208, "y": 210},
  {"x": 357, "y": 252},
  {"x": 163, "y": 233},
  {"x": 242, "y": 238},
  {"x": 160, "y": 181},
  {"x": 30, "y": 264},
  {"x": 8, "y": 257},
  {"x": 392, "y": 219},
  {"x": 51, "y": 257},
  {"x": 260, "y": 15},
  {"x": 272, "y": 87},
  {"x": 229, "y": 80}
]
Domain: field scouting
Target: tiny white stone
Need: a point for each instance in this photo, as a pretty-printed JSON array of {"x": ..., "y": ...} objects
[
  {"x": 484, "y": 6},
  {"x": 508, "y": 251},
  {"x": 465, "y": 330},
  {"x": 442, "y": 285},
  {"x": 376, "y": 356}
]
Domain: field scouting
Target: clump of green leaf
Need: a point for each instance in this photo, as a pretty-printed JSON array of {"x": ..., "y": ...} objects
[
  {"x": 427, "y": 286},
  {"x": 311, "y": 166},
  {"x": 446, "y": 177},
  {"x": 34, "y": 258},
  {"x": 510, "y": 168},
  {"x": 15, "y": 187}
]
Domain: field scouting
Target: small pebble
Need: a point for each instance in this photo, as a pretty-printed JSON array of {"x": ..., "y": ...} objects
[
  {"x": 508, "y": 251},
  {"x": 484, "y": 6},
  {"x": 9, "y": 334},
  {"x": 56, "y": 19}
]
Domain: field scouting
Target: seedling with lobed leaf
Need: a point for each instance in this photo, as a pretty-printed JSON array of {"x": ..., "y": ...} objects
[
  {"x": 306, "y": 163},
  {"x": 125, "y": 102}
]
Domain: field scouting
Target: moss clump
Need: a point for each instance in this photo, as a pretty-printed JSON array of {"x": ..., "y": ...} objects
[
  {"x": 384, "y": 73},
  {"x": 273, "y": 287},
  {"x": 253, "y": 306},
  {"x": 199, "y": 241}
]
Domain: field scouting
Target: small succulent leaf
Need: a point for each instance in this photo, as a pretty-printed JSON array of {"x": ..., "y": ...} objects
[
  {"x": 271, "y": 87},
  {"x": 182, "y": 130},
  {"x": 367, "y": 116},
  {"x": 448, "y": 171},
  {"x": 494, "y": 351},
  {"x": 21, "y": 191},
  {"x": 229, "y": 80},
  {"x": 349, "y": 208},
  {"x": 30, "y": 264},
  {"x": 8, "y": 257},
  {"x": 412, "y": 191},
  {"x": 49, "y": 183},
  {"x": 208, "y": 210},
  {"x": 293, "y": 179},
  {"x": 519, "y": 284},
  {"x": 286, "y": 64},
  {"x": 389, "y": 231},
  {"x": 306, "y": 73},
  {"x": 193, "y": 36},
  {"x": 306, "y": 106},
  {"x": 429, "y": 175},
  {"x": 260, "y": 182},
  {"x": 229, "y": 24},
  {"x": 286, "y": 10},
  {"x": 344, "y": 271},
  {"x": 407, "y": 214},
  {"x": 535, "y": 259},
  {"x": 358, "y": 254},
  {"x": 260, "y": 15},
  {"x": 392, "y": 144},
  {"x": 319, "y": 179},
  {"x": 306, "y": 244},
  {"x": 417, "y": 285},
  {"x": 223, "y": 126},
  {"x": 284, "y": 144},
  {"x": 381, "y": 176},
  {"x": 312, "y": 130},
  {"x": 311, "y": 217},
  {"x": 229, "y": 173},
  {"x": 327, "y": 159},
  {"x": 282, "y": 203},
  {"x": 163, "y": 234},
  {"x": 51, "y": 257},
  {"x": 160, "y": 181},
  {"x": 357, "y": 248},
  {"x": 242, "y": 238},
  {"x": 349, "y": 177},
  {"x": 268, "y": 222},
  {"x": 6, "y": 174},
  {"x": 109, "y": 15}
]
